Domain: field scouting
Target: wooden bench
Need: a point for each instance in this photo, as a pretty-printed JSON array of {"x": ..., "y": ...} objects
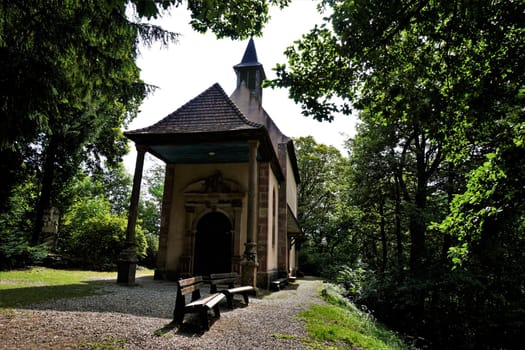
[
  {"x": 197, "y": 305},
  {"x": 229, "y": 279},
  {"x": 278, "y": 284}
]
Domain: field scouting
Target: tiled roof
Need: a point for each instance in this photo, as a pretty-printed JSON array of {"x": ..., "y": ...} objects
[{"x": 211, "y": 111}]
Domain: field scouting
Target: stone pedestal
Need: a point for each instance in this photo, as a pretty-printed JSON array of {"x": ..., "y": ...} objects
[
  {"x": 49, "y": 233},
  {"x": 127, "y": 266},
  {"x": 249, "y": 265}
]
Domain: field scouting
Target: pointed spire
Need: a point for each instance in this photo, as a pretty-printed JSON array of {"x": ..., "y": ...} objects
[
  {"x": 250, "y": 55},
  {"x": 250, "y": 71}
]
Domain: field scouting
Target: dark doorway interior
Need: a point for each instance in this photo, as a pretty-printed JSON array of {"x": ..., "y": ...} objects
[{"x": 213, "y": 251}]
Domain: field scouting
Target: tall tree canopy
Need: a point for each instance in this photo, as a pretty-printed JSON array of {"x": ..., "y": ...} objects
[
  {"x": 440, "y": 88},
  {"x": 322, "y": 212},
  {"x": 70, "y": 82},
  {"x": 452, "y": 69}
]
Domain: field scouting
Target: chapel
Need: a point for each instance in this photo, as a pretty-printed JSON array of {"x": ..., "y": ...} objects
[{"x": 230, "y": 190}]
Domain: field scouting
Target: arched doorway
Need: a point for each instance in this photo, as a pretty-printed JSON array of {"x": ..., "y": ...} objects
[{"x": 213, "y": 244}]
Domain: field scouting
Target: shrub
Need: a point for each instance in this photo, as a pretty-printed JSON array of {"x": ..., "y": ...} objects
[
  {"x": 15, "y": 252},
  {"x": 150, "y": 258},
  {"x": 354, "y": 280},
  {"x": 15, "y": 230},
  {"x": 100, "y": 241}
]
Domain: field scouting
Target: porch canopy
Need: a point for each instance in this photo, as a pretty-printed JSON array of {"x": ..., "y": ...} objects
[{"x": 208, "y": 129}]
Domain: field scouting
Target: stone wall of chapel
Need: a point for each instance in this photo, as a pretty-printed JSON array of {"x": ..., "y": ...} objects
[
  {"x": 183, "y": 175},
  {"x": 262, "y": 222}
]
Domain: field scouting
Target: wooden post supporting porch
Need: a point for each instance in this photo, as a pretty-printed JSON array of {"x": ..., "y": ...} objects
[{"x": 127, "y": 264}]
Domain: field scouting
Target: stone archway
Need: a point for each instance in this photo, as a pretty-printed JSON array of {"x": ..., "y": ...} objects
[{"x": 213, "y": 244}]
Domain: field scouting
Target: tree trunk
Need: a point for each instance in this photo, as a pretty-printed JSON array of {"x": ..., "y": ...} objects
[
  {"x": 48, "y": 172},
  {"x": 417, "y": 225},
  {"x": 399, "y": 237},
  {"x": 447, "y": 239},
  {"x": 384, "y": 245}
]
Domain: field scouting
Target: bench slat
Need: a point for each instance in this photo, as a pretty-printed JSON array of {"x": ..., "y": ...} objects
[
  {"x": 209, "y": 301},
  {"x": 189, "y": 281},
  {"x": 190, "y": 289},
  {"x": 241, "y": 289},
  {"x": 229, "y": 279},
  {"x": 224, "y": 275},
  {"x": 223, "y": 281}
]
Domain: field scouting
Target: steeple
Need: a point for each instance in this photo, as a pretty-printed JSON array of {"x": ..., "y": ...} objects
[{"x": 250, "y": 71}]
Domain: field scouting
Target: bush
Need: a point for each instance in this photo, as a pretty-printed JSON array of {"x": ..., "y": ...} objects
[
  {"x": 354, "y": 280},
  {"x": 92, "y": 237},
  {"x": 16, "y": 228},
  {"x": 100, "y": 241},
  {"x": 15, "y": 252},
  {"x": 150, "y": 258}
]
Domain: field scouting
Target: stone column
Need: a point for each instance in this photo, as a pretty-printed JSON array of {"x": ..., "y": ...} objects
[
  {"x": 127, "y": 263},
  {"x": 165, "y": 217},
  {"x": 249, "y": 262}
]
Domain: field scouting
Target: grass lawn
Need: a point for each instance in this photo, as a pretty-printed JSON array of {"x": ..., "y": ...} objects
[
  {"x": 340, "y": 325},
  {"x": 39, "y": 284}
]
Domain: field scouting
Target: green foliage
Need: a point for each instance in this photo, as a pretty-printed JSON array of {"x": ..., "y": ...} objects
[
  {"x": 70, "y": 89},
  {"x": 150, "y": 203},
  {"x": 16, "y": 252},
  {"x": 354, "y": 280},
  {"x": 108, "y": 343},
  {"x": 324, "y": 216},
  {"x": 439, "y": 86},
  {"x": 341, "y": 325},
  {"x": 90, "y": 233},
  {"x": 116, "y": 184},
  {"x": 95, "y": 237},
  {"x": 101, "y": 241},
  {"x": 234, "y": 19},
  {"x": 470, "y": 211},
  {"x": 15, "y": 225},
  {"x": 149, "y": 260}
]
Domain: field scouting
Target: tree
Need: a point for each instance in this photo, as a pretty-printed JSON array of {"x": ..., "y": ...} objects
[
  {"x": 459, "y": 62},
  {"x": 149, "y": 211},
  {"x": 151, "y": 199},
  {"x": 69, "y": 89},
  {"x": 448, "y": 74},
  {"x": 324, "y": 218}
]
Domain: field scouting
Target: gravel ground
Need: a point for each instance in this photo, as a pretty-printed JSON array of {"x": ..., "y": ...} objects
[{"x": 139, "y": 317}]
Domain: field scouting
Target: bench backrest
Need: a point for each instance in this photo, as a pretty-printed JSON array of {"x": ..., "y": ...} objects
[
  {"x": 229, "y": 279},
  {"x": 190, "y": 285}
]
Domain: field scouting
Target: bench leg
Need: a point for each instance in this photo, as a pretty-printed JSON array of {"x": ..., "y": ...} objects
[
  {"x": 229, "y": 298},
  {"x": 217, "y": 311},
  {"x": 204, "y": 318},
  {"x": 178, "y": 311},
  {"x": 178, "y": 318},
  {"x": 245, "y": 296}
]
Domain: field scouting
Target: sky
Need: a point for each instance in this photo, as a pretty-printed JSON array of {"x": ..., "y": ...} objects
[{"x": 185, "y": 69}]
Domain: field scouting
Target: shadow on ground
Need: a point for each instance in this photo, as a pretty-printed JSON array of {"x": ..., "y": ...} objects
[
  {"x": 191, "y": 327},
  {"x": 147, "y": 298}
]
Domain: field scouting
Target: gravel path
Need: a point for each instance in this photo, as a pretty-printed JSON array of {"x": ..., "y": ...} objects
[{"x": 138, "y": 318}]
